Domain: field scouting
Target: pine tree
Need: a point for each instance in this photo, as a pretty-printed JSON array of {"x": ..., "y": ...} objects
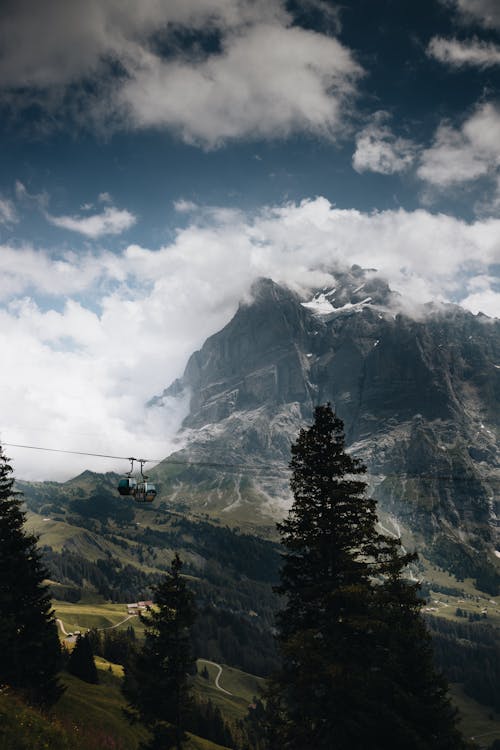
[
  {"x": 31, "y": 654},
  {"x": 414, "y": 693},
  {"x": 81, "y": 662},
  {"x": 156, "y": 678},
  {"x": 351, "y": 627}
]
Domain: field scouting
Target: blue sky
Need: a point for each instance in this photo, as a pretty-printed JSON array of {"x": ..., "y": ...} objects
[{"x": 157, "y": 157}]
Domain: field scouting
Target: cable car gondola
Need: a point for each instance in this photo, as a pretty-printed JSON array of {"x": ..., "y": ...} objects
[
  {"x": 145, "y": 492},
  {"x": 128, "y": 485},
  {"x": 142, "y": 491}
]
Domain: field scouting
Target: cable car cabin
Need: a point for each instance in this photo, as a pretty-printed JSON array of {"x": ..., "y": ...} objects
[
  {"x": 127, "y": 486},
  {"x": 145, "y": 492}
]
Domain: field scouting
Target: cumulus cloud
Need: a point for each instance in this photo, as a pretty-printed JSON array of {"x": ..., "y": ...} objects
[
  {"x": 80, "y": 372},
  {"x": 460, "y": 54},
  {"x": 378, "y": 149},
  {"x": 484, "y": 12},
  {"x": 268, "y": 78},
  {"x": 266, "y": 82},
  {"x": 110, "y": 221},
  {"x": 460, "y": 155},
  {"x": 56, "y": 43},
  {"x": 184, "y": 207}
]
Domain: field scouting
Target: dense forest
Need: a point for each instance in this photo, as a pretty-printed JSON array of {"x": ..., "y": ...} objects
[{"x": 264, "y": 607}]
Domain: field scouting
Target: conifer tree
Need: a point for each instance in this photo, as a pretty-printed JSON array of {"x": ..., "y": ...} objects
[
  {"x": 156, "y": 678},
  {"x": 31, "y": 653},
  {"x": 81, "y": 662},
  {"x": 351, "y": 628}
]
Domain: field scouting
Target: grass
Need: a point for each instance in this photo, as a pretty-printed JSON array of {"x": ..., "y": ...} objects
[
  {"x": 82, "y": 616},
  {"x": 24, "y": 728},
  {"x": 93, "y": 715},
  {"x": 242, "y": 686},
  {"x": 477, "y": 722}
]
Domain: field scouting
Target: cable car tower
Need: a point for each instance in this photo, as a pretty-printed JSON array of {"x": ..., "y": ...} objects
[{"x": 140, "y": 489}]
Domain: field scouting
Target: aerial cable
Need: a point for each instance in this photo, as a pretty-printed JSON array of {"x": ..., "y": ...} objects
[
  {"x": 215, "y": 464},
  {"x": 74, "y": 453},
  {"x": 274, "y": 472}
]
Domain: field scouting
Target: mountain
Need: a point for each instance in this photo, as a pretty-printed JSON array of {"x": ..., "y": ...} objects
[{"x": 419, "y": 395}]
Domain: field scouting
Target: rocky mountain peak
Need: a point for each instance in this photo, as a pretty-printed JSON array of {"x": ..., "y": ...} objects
[{"x": 420, "y": 400}]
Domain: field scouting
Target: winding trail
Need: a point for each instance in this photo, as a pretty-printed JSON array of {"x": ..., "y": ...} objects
[
  {"x": 108, "y": 627},
  {"x": 217, "y": 684},
  {"x": 61, "y": 625}
]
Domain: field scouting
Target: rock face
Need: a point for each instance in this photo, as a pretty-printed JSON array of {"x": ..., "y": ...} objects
[{"x": 420, "y": 400}]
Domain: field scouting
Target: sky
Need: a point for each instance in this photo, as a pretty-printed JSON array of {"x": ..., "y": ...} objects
[{"x": 157, "y": 157}]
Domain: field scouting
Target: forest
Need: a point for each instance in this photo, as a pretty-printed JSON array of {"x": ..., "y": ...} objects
[{"x": 328, "y": 616}]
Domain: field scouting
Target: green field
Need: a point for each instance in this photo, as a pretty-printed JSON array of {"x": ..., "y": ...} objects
[
  {"x": 93, "y": 714},
  {"x": 242, "y": 686},
  {"x": 83, "y": 616}
]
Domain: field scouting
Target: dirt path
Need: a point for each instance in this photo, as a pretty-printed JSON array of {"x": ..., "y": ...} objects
[
  {"x": 108, "y": 627},
  {"x": 217, "y": 683},
  {"x": 61, "y": 625}
]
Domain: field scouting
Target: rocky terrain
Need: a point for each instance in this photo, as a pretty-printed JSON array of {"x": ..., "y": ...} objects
[{"x": 419, "y": 396}]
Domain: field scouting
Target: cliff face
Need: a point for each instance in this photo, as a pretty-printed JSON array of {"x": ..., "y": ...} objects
[{"x": 420, "y": 399}]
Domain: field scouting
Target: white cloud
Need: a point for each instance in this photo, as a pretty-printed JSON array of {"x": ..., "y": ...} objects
[
  {"x": 465, "y": 154},
  {"x": 57, "y": 43},
  {"x": 378, "y": 149},
  {"x": 484, "y": 12},
  {"x": 8, "y": 213},
  {"x": 458, "y": 54},
  {"x": 110, "y": 221},
  {"x": 184, "y": 207},
  {"x": 487, "y": 302},
  {"x": 105, "y": 198},
  {"x": 268, "y": 79},
  {"x": 79, "y": 377}
]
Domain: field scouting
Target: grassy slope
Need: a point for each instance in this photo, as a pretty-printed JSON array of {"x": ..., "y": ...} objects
[
  {"x": 82, "y": 616},
  {"x": 478, "y": 723},
  {"x": 93, "y": 714},
  {"x": 23, "y": 728},
  {"x": 476, "y": 719},
  {"x": 242, "y": 686}
]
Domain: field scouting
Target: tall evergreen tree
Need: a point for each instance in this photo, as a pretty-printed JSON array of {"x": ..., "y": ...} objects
[
  {"x": 31, "y": 654},
  {"x": 81, "y": 662},
  {"x": 156, "y": 678},
  {"x": 350, "y": 630}
]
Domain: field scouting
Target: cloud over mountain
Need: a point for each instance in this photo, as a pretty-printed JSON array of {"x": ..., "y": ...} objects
[{"x": 113, "y": 329}]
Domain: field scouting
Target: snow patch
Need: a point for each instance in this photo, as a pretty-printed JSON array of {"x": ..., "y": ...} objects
[{"x": 319, "y": 305}]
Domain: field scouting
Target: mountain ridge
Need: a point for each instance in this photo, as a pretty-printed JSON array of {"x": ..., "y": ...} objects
[{"x": 419, "y": 397}]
